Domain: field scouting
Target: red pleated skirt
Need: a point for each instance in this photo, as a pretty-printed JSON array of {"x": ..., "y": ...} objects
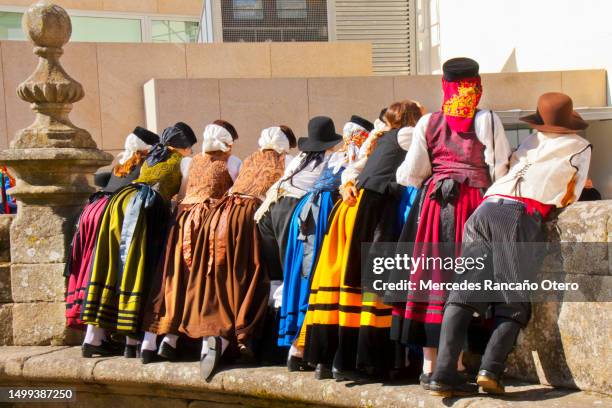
[
  {"x": 422, "y": 320},
  {"x": 83, "y": 246}
]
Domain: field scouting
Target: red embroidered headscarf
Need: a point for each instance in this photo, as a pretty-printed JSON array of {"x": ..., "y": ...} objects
[{"x": 461, "y": 99}]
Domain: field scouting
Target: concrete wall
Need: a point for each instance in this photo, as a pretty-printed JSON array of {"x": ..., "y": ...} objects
[
  {"x": 252, "y": 104},
  {"x": 177, "y": 7},
  {"x": 113, "y": 76}
]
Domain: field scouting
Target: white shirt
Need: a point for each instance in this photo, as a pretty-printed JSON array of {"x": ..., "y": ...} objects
[
  {"x": 416, "y": 168},
  {"x": 404, "y": 139},
  {"x": 185, "y": 165},
  {"x": 233, "y": 166},
  {"x": 550, "y": 168},
  {"x": 295, "y": 187}
]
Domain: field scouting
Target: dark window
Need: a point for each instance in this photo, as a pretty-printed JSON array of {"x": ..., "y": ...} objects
[{"x": 274, "y": 20}]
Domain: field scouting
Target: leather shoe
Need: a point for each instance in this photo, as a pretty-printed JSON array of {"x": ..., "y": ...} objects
[
  {"x": 167, "y": 352},
  {"x": 131, "y": 351},
  {"x": 149, "y": 356},
  {"x": 323, "y": 372},
  {"x": 424, "y": 380},
  {"x": 460, "y": 389},
  {"x": 490, "y": 382},
  {"x": 105, "y": 349},
  {"x": 297, "y": 364},
  {"x": 210, "y": 362}
]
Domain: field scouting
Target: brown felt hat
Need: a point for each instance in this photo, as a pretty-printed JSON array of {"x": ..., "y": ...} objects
[{"x": 555, "y": 114}]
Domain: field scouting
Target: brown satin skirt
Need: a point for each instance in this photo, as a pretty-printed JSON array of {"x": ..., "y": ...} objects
[
  {"x": 164, "y": 310},
  {"x": 227, "y": 291}
]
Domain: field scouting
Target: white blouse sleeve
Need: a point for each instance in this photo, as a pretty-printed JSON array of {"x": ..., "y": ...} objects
[
  {"x": 185, "y": 166},
  {"x": 288, "y": 159},
  {"x": 404, "y": 137},
  {"x": 497, "y": 147},
  {"x": 581, "y": 161},
  {"x": 416, "y": 167},
  {"x": 233, "y": 167}
]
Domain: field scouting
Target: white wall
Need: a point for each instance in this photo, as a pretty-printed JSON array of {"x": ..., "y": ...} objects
[
  {"x": 532, "y": 35},
  {"x": 528, "y": 35}
]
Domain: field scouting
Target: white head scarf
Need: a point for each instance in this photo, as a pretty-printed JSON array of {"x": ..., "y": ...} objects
[
  {"x": 132, "y": 144},
  {"x": 274, "y": 138},
  {"x": 379, "y": 125},
  {"x": 216, "y": 138}
]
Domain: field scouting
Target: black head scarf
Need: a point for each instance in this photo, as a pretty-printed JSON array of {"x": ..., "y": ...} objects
[{"x": 179, "y": 136}]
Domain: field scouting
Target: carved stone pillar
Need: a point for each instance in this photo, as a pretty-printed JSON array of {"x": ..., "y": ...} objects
[{"x": 53, "y": 162}]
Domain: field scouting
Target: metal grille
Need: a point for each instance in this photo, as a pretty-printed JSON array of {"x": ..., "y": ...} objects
[
  {"x": 386, "y": 24},
  {"x": 274, "y": 20}
]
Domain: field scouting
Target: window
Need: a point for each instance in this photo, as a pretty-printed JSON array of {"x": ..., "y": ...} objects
[
  {"x": 103, "y": 29},
  {"x": 291, "y": 8},
  {"x": 248, "y": 9},
  {"x": 111, "y": 27},
  {"x": 274, "y": 20},
  {"x": 10, "y": 26},
  {"x": 168, "y": 31}
]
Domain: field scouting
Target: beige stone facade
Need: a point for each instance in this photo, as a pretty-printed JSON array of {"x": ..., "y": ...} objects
[
  {"x": 168, "y": 7},
  {"x": 253, "y": 104},
  {"x": 113, "y": 76}
]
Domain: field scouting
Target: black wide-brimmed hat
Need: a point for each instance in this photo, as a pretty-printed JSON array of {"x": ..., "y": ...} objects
[
  {"x": 555, "y": 114},
  {"x": 458, "y": 68},
  {"x": 321, "y": 135},
  {"x": 364, "y": 123},
  {"x": 146, "y": 135}
]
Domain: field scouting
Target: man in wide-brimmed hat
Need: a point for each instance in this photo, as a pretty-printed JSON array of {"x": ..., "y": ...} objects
[{"x": 548, "y": 170}]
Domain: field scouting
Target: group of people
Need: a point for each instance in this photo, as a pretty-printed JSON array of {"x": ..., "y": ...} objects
[{"x": 211, "y": 249}]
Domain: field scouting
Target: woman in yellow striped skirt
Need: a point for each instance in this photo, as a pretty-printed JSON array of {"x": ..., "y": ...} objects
[
  {"x": 346, "y": 332},
  {"x": 129, "y": 242}
]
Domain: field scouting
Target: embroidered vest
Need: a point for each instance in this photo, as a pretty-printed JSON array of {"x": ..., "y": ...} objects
[
  {"x": 208, "y": 177},
  {"x": 259, "y": 172},
  {"x": 541, "y": 169},
  {"x": 165, "y": 177},
  {"x": 379, "y": 172},
  {"x": 457, "y": 156}
]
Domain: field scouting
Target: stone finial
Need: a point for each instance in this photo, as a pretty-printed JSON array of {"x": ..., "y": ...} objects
[
  {"x": 50, "y": 90},
  {"x": 52, "y": 160}
]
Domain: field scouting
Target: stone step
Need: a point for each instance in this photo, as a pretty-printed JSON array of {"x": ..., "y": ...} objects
[{"x": 119, "y": 381}]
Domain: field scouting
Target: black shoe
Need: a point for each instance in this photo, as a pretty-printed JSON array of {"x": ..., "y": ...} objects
[
  {"x": 246, "y": 355},
  {"x": 467, "y": 376},
  {"x": 323, "y": 372},
  {"x": 343, "y": 375},
  {"x": 131, "y": 351},
  {"x": 167, "y": 352},
  {"x": 424, "y": 380},
  {"x": 297, "y": 364},
  {"x": 490, "y": 382},
  {"x": 210, "y": 362},
  {"x": 149, "y": 356},
  {"x": 105, "y": 349},
  {"x": 461, "y": 389}
]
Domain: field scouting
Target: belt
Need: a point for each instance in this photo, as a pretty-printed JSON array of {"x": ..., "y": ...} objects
[{"x": 502, "y": 200}]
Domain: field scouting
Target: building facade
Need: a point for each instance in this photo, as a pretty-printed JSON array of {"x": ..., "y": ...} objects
[
  {"x": 159, "y": 21},
  {"x": 387, "y": 24}
]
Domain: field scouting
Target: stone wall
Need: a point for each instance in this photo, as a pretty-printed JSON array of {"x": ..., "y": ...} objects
[
  {"x": 6, "y": 297},
  {"x": 568, "y": 344}
]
